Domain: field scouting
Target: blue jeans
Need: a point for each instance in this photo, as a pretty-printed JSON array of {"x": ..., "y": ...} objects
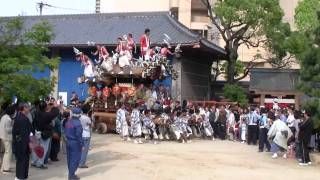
[
  {"x": 48, "y": 153},
  {"x": 84, "y": 153},
  {"x": 276, "y": 148}
]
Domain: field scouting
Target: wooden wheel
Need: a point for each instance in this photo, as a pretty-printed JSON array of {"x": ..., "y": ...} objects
[{"x": 102, "y": 128}]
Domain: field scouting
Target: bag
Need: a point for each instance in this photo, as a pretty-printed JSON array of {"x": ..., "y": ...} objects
[
  {"x": 39, "y": 151},
  {"x": 33, "y": 142}
]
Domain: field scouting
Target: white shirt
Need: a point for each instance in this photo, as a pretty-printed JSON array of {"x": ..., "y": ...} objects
[
  {"x": 291, "y": 120},
  {"x": 275, "y": 106},
  {"x": 6, "y": 128},
  {"x": 231, "y": 119},
  {"x": 85, "y": 123}
]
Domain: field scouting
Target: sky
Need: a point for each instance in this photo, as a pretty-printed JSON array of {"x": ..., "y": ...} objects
[{"x": 29, "y": 7}]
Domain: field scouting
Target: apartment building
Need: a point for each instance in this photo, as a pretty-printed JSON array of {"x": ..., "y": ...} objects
[{"x": 191, "y": 13}]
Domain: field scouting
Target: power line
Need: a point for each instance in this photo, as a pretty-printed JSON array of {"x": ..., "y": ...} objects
[
  {"x": 71, "y": 9},
  {"x": 41, "y": 5}
]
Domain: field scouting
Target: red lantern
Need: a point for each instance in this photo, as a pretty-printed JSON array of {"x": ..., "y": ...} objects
[
  {"x": 106, "y": 92},
  {"x": 124, "y": 90},
  {"x": 116, "y": 90}
]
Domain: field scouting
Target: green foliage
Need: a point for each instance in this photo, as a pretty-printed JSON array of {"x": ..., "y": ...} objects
[
  {"x": 23, "y": 52},
  {"x": 245, "y": 22},
  {"x": 306, "y": 15},
  {"x": 235, "y": 93},
  {"x": 310, "y": 74},
  {"x": 257, "y": 15},
  {"x": 313, "y": 106},
  {"x": 278, "y": 45},
  {"x": 239, "y": 68}
]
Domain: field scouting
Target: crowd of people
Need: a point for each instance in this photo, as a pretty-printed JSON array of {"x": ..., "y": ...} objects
[
  {"x": 40, "y": 131},
  {"x": 280, "y": 131}
]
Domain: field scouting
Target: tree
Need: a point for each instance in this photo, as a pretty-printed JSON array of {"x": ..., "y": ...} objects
[
  {"x": 235, "y": 93},
  {"x": 246, "y": 22},
  {"x": 23, "y": 52},
  {"x": 239, "y": 68},
  {"x": 306, "y": 15},
  {"x": 310, "y": 76}
]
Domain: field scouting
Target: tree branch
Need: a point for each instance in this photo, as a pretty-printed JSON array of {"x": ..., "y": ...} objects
[
  {"x": 214, "y": 19},
  {"x": 246, "y": 71},
  {"x": 249, "y": 43}
]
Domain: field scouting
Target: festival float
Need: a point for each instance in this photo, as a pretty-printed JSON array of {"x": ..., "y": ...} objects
[{"x": 122, "y": 78}]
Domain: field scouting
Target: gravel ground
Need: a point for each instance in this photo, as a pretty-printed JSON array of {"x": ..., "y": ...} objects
[{"x": 111, "y": 158}]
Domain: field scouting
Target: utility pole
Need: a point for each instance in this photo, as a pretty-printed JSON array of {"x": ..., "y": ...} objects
[{"x": 41, "y": 5}]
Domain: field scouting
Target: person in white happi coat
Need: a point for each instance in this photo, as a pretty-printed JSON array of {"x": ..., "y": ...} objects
[
  {"x": 163, "y": 127},
  {"x": 149, "y": 126},
  {"x": 174, "y": 126},
  {"x": 182, "y": 123},
  {"x": 136, "y": 125},
  {"x": 122, "y": 126},
  {"x": 279, "y": 134},
  {"x": 207, "y": 126},
  {"x": 231, "y": 122},
  {"x": 243, "y": 125}
]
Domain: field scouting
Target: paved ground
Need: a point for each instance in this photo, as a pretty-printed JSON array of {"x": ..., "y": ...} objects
[{"x": 202, "y": 160}]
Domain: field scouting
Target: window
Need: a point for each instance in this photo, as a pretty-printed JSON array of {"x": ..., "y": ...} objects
[
  {"x": 199, "y": 16},
  {"x": 203, "y": 33}
]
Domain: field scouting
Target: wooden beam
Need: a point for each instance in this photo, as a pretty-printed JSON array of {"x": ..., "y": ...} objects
[
  {"x": 297, "y": 101},
  {"x": 262, "y": 99},
  {"x": 277, "y": 93}
]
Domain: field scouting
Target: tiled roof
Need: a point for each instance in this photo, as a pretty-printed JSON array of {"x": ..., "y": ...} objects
[{"x": 105, "y": 28}]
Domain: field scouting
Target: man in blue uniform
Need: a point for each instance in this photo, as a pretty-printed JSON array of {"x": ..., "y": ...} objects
[
  {"x": 73, "y": 131},
  {"x": 263, "y": 131}
]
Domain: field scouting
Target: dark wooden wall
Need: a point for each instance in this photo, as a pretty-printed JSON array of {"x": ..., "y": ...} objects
[{"x": 194, "y": 76}]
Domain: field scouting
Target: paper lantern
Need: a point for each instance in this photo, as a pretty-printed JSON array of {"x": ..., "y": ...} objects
[
  {"x": 124, "y": 90},
  {"x": 106, "y": 92},
  {"x": 116, "y": 90},
  {"x": 132, "y": 91}
]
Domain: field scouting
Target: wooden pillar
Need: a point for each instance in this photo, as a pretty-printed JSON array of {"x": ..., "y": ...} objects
[
  {"x": 297, "y": 101},
  {"x": 55, "y": 73},
  {"x": 262, "y": 99},
  {"x": 176, "y": 84}
]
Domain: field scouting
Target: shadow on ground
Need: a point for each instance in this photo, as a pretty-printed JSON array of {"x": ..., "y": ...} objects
[{"x": 98, "y": 162}]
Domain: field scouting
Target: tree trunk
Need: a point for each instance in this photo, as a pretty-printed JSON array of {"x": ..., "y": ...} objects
[{"x": 233, "y": 57}]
